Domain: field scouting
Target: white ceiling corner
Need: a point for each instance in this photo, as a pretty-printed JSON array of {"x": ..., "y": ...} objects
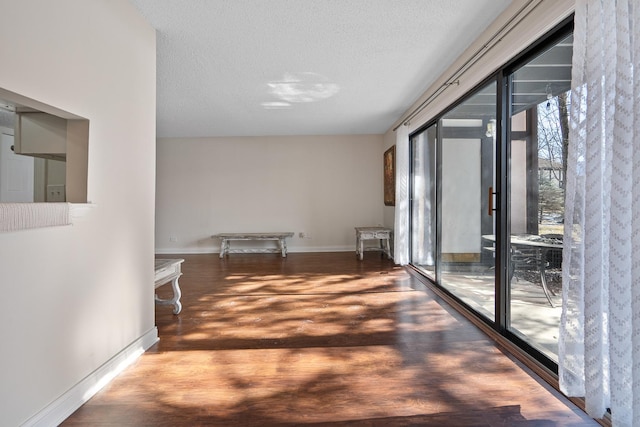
[{"x": 302, "y": 67}]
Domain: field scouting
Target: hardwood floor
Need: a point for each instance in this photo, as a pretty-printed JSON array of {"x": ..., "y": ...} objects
[{"x": 319, "y": 339}]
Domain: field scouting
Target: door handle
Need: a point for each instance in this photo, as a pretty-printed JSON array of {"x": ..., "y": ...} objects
[{"x": 490, "y": 201}]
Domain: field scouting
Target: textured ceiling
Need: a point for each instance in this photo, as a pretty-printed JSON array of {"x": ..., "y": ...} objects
[{"x": 302, "y": 67}]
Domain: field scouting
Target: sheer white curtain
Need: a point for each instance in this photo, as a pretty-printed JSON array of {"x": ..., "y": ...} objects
[
  {"x": 401, "y": 225},
  {"x": 599, "y": 347},
  {"x": 422, "y": 209}
]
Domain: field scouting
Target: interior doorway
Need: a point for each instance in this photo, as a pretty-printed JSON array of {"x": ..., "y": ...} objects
[{"x": 16, "y": 172}]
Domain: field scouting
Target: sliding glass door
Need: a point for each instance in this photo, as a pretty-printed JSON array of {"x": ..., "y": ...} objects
[
  {"x": 487, "y": 197},
  {"x": 467, "y": 227},
  {"x": 538, "y": 139},
  {"x": 452, "y": 220},
  {"x": 424, "y": 203}
]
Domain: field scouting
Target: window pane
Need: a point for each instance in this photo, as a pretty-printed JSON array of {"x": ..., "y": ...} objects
[
  {"x": 467, "y": 261},
  {"x": 538, "y": 143},
  {"x": 423, "y": 207}
]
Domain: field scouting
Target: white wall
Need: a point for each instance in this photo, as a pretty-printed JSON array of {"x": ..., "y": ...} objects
[
  {"x": 75, "y": 296},
  {"x": 320, "y": 185},
  {"x": 461, "y": 193}
]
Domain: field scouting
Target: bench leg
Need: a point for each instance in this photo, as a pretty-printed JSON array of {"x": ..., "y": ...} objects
[
  {"x": 387, "y": 248},
  {"x": 223, "y": 246},
  {"x": 283, "y": 247}
]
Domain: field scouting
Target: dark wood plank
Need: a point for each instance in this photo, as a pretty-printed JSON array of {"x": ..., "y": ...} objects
[{"x": 319, "y": 339}]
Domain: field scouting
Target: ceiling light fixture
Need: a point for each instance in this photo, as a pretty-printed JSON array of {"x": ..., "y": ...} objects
[
  {"x": 276, "y": 105},
  {"x": 303, "y": 87}
]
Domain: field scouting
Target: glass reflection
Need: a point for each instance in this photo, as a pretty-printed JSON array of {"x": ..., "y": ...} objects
[
  {"x": 423, "y": 205},
  {"x": 467, "y": 251},
  {"x": 538, "y": 142}
]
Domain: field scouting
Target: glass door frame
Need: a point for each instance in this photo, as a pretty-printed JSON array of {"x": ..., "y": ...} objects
[
  {"x": 499, "y": 172},
  {"x": 501, "y": 196},
  {"x": 555, "y": 36}
]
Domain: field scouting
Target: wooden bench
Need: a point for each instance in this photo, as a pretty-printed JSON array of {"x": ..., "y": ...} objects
[
  {"x": 280, "y": 237},
  {"x": 169, "y": 270}
]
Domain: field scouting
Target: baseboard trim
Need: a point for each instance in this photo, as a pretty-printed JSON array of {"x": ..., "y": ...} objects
[
  {"x": 195, "y": 251},
  {"x": 58, "y": 410},
  {"x": 305, "y": 249},
  {"x": 186, "y": 251}
]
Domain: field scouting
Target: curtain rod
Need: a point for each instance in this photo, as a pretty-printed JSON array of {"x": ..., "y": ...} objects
[{"x": 496, "y": 38}]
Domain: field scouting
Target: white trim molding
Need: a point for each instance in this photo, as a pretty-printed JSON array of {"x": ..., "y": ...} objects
[
  {"x": 216, "y": 250},
  {"x": 26, "y": 216},
  {"x": 21, "y": 216},
  {"x": 65, "y": 405}
]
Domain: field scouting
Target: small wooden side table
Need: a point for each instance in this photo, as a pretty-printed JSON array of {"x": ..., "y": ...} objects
[{"x": 382, "y": 234}]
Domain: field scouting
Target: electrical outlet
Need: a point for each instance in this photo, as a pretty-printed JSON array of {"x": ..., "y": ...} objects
[
  {"x": 173, "y": 239},
  {"x": 55, "y": 193}
]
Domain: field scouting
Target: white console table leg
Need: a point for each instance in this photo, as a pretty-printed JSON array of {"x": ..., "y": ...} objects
[{"x": 175, "y": 301}]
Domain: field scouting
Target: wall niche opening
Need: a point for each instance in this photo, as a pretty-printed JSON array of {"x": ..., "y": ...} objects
[{"x": 43, "y": 152}]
